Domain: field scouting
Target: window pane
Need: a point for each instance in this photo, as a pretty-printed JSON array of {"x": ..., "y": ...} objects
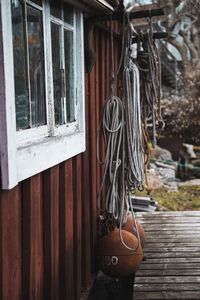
[
  {"x": 19, "y": 52},
  {"x": 56, "y": 8},
  {"x": 36, "y": 66},
  {"x": 69, "y": 71},
  {"x": 58, "y": 74},
  {"x": 68, "y": 13}
]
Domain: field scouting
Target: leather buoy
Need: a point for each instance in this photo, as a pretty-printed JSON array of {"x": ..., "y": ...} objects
[
  {"x": 130, "y": 226},
  {"x": 114, "y": 258}
]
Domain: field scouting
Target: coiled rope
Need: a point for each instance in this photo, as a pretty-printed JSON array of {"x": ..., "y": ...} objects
[
  {"x": 150, "y": 75},
  {"x": 132, "y": 147},
  {"x": 112, "y": 127},
  {"x": 133, "y": 130},
  {"x": 123, "y": 126}
]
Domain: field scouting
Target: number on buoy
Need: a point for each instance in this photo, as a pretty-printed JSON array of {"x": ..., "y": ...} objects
[{"x": 113, "y": 260}]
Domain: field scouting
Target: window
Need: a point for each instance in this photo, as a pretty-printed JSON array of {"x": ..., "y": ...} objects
[
  {"x": 43, "y": 92},
  {"x": 29, "y": 69}
]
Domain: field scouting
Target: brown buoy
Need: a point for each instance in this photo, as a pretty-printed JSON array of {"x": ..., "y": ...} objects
[
  {"x": 114, "y": 258},
  {"x": 130, "y": 226}
]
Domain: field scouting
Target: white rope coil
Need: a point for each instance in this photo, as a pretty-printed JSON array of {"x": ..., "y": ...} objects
[
  {"x": 112, "y": 128},
  {"x": 122, "y": 131}
]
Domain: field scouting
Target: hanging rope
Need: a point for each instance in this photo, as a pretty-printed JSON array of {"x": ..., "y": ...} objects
[
  {"x": 132, "y": 147},
  {"x": 122, "y": 131},
  {"x": 150, "y": 75},
  {"x": 124, "y": 125},
  {"x": 112, "y": 124},
  {"x": 131, "y": 98}
]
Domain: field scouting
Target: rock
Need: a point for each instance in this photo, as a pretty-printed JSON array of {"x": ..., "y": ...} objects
[
  {"x": 161, "y": 154},
  {"x": 154, "y": 181},
  {"x": 192, "y": 182},
  {"x": 159, "y": 177},
  {"x": 190, "y": 151}
]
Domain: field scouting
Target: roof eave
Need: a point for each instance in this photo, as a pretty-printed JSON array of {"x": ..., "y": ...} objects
[{"x": 92, "y": 6}]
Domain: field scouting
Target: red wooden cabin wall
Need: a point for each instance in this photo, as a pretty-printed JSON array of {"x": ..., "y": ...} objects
[{"x": 48, "y": 223}]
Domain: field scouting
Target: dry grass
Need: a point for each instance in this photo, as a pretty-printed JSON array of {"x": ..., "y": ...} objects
[{"x": 187, "y": 198}]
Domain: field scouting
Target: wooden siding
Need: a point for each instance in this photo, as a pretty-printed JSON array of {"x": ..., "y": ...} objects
[{"x": 48, "y": 223}]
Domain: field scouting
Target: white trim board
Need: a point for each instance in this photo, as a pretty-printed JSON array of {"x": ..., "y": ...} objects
[
  {"x": 7, "y": 102},
  {"x": 28, "y": 152},
  {"x": 49, "y": 153}
]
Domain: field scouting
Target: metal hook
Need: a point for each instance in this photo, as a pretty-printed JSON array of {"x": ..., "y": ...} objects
[{"x": 150, "y": 14}]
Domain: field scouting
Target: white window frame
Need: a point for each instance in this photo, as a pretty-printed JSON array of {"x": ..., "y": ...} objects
[{"x": 27, "y": 152}]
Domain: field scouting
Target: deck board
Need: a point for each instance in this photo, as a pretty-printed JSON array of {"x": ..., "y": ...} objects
[{"x": 171, "y": 269}]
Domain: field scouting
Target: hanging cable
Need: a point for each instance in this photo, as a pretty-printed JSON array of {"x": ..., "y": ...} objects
[{"x": 150, "y": 74}]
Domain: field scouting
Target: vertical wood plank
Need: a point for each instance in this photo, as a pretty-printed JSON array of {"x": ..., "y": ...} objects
[
  {"x": 10, "y": 245},
  {"x": 33, "y": 269},
  {"x": 97, "y": 108},
  {"x": 1, "y": 250},
  {"x": 66, "y": 231},
  {"x": 93, "y": 161},
  {"x": 102, "y": 96},
  {"x": 51, "y": 233},
  {"x": 117, "y": 47},
  {"x": 77, "y": 214},
  {"x": 108, "y": 63},
  {"x": 86, "y": 255}
]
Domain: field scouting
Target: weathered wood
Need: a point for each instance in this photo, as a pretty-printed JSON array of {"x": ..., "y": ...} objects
[
  {"x": 173, "y": 237},
  {"x": 174, "y": 266},
  {"x": 178, "y": 239},
  {"x": 172, "y": 233},
  {"x": 169, "y": 272},
  {"x": 168, "y": 244},
  {"x": 169, "y": 214},
  {"x": 77, "y": 218},
  {"x": 33, "y": 271},
  {"x": 171, "y": 268},
  {"x": 97, "y": 105},
  {"x": 10, "y": 245},
  {"x": 173, "y": 219},
  {"x": 155, "y": 287},
  {"x": 102, "y": 97},
  {"x": 170, "y": 220},
  {"x": 167, "y": 295},
  {"x": 172, "y": 226},
  {"x": 86, "y": 217},
  {"x": 66, "y": 231},
  {"x": 173, "y": 254},
  {"x": 172, "y": 260},
  {"x": 156, "y": 35},
  {"x": 167, "y": 279},
  {"x": 93, "y": 160},
  {"x": 119, "y": 15},
  {"x": 173, "y": 249},
  {"x": 51, "y": 233}
]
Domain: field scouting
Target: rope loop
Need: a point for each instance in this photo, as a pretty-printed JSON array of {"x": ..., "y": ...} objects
[{"x": 124, "y": 123}]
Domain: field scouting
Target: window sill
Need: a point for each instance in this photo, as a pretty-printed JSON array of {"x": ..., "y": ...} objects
[{"x": 51, "y": 151}]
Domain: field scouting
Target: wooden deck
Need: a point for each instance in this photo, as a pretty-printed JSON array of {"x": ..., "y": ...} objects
[{"x": 171, "y": 269}]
